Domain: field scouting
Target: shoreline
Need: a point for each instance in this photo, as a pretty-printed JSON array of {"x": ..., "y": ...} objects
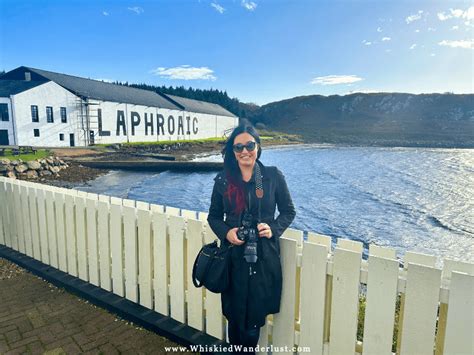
[{"x": 77, "y": 174}]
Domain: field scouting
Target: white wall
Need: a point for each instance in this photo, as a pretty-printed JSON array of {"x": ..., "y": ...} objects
[
  {"x": 8, "y": 125},
  {"x": 47, "y": 94},
  {"x": 194, "y": 125}
]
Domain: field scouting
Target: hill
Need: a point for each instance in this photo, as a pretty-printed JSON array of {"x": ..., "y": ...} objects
[
  {"x": 434, "y": 120},
  {"x": 387, "y": 119}
]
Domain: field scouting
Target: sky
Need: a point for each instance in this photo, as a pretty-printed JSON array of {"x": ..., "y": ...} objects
[{"x": 258, "y": 51}]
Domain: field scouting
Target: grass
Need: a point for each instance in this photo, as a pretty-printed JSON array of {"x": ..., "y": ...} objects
[
  {"x": 266, "y": 134},
  {"x": 215, "y": 139},
  {"x": 40, "y": 154}
]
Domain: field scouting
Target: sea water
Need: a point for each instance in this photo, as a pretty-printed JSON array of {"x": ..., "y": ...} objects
[{"x": 416, "y": 199}]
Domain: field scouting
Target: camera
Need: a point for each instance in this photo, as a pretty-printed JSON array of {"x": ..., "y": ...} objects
[{"x": 248, "y": 233}]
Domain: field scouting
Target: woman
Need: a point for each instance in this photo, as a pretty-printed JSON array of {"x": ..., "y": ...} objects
[{"x": 255, "y": 289}]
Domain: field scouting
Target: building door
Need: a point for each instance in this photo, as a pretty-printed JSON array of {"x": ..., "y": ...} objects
[
  {"x": 4, "y": 137},
  {"x": 91, "y": 137},
  {"x": 71, "y": 139}
]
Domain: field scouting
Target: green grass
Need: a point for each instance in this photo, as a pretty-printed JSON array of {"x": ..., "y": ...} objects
[
  {"x": 40, "y": 154},
  {"x": 266, "y": 134},
  {"x": 214, "y": 139}
]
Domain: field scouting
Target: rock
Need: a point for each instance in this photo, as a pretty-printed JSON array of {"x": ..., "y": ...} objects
[
  {"x": 42, "y": 161},
  {"x": 15, "y": 162},
  {"x": 45, "y": 173},
  {"x": 21, "y": 168},
  {"x": 5, "y": 161},
  {"x": 54, "y": 169},
  {"x": 50, "y": 161},
  {"x": 11, "y": 175},
  {"x": 31, "y": 174},
  {"x": 33, "y": 165},
  {"x": 3, "y": 168},
  {"x": 10, "y": 167}
]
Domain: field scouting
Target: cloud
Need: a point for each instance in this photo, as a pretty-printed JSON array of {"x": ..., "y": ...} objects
[
  {"x": 413, "y": 46},
  {"x": 249, "y": 5},
  {"x": 379, "y": 29},
  {"x": 414, "y": 17},
  {"x": 367, "y": 43},
  {"x": 454, "y": 28},
  {"x": 432, "y": 55},
  {"x": 469, "y": 44},
  {"x": 388, "y": 50},
  {"x": 336, "y": 79},
  {"x": 218, "y": 8},
  {"x": 469, "y": 13},
  {"x": 106, "y": 80},
  {"x": 443, "y": 17},
  {"x": 431, "y": 29},
  {"x": 386, "y": 39},
  {"x": 457, "y": 13},
  {"x": 185, "y": 72},
  {"x": 137, "y": 9},
  {"x": 417, "y": 31},
  {"x": 105, "y": 13}
]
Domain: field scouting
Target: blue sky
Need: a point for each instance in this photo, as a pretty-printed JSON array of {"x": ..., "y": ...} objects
[{"x": 258, "y": 51}]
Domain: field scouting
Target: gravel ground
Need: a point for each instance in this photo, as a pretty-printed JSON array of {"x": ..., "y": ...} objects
[{"x": 9, "y": 270}]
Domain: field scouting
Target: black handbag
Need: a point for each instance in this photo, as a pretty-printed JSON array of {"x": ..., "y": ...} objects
[{"x": 211, "y": 268}]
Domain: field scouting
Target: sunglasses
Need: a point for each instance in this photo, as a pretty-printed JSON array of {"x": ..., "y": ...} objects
[{"x": 239, "y": 147}]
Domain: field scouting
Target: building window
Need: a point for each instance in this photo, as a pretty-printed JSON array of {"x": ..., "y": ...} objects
[
  {"x": 63, "y": 115},
  {"x": 61, "y": 136},
  {"x": 49, "y": 114},
  {"x": 4, "y": 112},
  {"x": 34, "y": 113},
  {"x": 36, "y": 132}
]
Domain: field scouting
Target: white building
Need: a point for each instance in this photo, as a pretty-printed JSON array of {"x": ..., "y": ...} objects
[{"x": 47, "y": 109}]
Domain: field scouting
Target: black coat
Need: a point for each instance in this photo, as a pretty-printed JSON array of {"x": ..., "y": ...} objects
[{"x": 250, "y": 299}]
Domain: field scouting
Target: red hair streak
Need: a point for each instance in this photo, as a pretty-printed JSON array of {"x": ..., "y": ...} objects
[{"x": 237, "y": 193}]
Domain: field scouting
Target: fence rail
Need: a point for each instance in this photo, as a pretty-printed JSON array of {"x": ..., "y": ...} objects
[{"x": 144, "y": 252}]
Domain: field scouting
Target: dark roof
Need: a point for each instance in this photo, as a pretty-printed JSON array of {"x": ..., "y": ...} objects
[
  {"x": 99, "y": 90},
  {"x": 13, "y": 87},
  {"x": 95, "y": 89},
  {"x": 200, "y": 106}
]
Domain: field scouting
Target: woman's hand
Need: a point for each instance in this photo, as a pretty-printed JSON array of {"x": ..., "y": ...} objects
[
  {"x": 232, "y": 237},
  {"x": 264, "y": 230}
]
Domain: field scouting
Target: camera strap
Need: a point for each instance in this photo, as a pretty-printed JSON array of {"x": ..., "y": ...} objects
[
  {"x": 258, "y": 189},
  {"x": 258, "y": 192}
]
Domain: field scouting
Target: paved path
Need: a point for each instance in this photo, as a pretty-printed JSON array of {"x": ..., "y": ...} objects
[{"x": 39, "y": 318}]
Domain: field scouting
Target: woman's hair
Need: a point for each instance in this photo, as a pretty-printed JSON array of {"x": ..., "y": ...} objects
[{"x": 235, "y": 186}]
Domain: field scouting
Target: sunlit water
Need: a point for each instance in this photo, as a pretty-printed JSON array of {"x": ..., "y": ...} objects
[{"x": 405, "y": 198}]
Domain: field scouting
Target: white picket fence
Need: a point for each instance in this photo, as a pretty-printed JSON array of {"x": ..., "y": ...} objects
[{"x": 145, "y": 252}]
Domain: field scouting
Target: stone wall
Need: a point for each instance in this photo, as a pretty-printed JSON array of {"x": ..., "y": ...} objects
[{"x": 32, "y": 169}]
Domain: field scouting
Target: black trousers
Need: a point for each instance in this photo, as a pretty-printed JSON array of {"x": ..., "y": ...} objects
[{"x": 247, "y": 338}]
